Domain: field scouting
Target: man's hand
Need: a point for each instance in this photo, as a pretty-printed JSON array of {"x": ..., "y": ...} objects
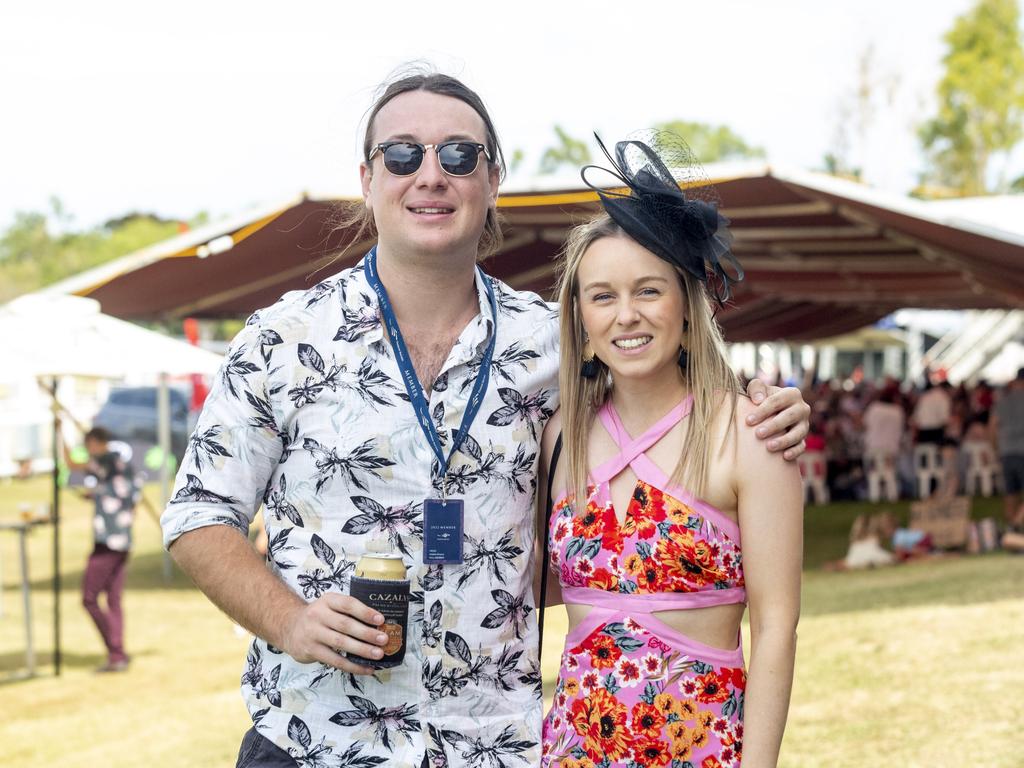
[
  {"x": 330, "y": 626},
  {"x": 782, "y": 417}
]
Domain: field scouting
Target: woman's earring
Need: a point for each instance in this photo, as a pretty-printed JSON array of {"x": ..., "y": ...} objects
[
  {"x": 683, "y": 356},
  {"x": 589, "y": 368}
]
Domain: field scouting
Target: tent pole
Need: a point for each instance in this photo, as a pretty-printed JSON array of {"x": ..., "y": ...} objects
[
  {"x": 163, "y": 410},
  {"x": 56, "y": 533}
]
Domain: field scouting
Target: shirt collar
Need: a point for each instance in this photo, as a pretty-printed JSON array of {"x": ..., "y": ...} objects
[{"x": 361, "y": 311}]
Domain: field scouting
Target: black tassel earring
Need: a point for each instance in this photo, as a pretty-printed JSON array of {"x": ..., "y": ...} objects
[
  {"x": 589, "y": 368},
  {"x": 683, "y": 356}
]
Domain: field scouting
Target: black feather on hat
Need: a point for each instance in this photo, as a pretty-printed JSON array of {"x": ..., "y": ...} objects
[{"x": 672, "y": 213}]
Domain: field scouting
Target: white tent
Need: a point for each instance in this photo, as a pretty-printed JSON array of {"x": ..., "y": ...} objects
[
  {"x": 54, "y": 336},
  {"x": 69, "y": 336}
]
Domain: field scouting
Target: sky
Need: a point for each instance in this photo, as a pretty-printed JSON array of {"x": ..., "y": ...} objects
[{"x": 221, "y": 106}]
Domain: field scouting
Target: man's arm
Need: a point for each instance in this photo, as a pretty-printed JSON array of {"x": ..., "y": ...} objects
[
  {"x": 781, "y": 417},
  {"x": 218, "y": 490},
  {"x": 221, "y": 562}
]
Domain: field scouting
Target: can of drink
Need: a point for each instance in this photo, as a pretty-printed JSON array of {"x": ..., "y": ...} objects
[{"x": 380, "y": 582}]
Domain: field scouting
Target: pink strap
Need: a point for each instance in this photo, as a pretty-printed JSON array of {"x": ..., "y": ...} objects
[
  {"x": 630, "y": 449},
  {"x": 662, "y": 601}
]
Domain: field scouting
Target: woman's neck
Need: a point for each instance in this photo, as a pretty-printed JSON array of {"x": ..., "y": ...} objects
[{"x": 641, "y": 402}]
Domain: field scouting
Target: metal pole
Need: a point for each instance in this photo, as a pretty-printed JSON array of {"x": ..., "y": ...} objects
[
  {"x": 26, "y": 598},
  {"x": 163, "y": 411},
  {"x": 56, "y": 533}
]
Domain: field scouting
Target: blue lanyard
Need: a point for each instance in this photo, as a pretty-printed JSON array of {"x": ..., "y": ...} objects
[{"x": 412, "y": 383}]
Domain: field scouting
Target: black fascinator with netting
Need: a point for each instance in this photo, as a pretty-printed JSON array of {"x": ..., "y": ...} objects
[{"x": 670, "y": 208}]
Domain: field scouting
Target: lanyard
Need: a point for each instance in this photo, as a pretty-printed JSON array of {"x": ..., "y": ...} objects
[{"x": 412, "y": 383}]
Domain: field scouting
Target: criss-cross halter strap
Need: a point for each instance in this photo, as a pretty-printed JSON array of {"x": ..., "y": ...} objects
[{"x": 629, "y": 449}]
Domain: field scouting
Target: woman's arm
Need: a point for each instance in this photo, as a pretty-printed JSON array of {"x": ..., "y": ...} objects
[
  {"x": 770, "y": 499},
  {"x": 551, "y": 432}
]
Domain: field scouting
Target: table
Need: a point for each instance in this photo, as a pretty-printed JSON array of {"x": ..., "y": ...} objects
[{"x": 21, "y": 528}]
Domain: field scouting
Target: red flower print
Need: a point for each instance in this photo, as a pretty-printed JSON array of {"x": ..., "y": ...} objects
[
  {"x": 603, "y": 651},
  {"x": 712, "y": 688},
  {"x": 590, "y": 680},
  {"x": 737, "y": 677},
  {"x": 561, "y": 530},
  {"x": 628, "y": 672},
  {"x": 710, "y": 762},
  {"x": 651, "y": 753},
  {"x": 584, "y": 567},
  {"x": 647, "y": 720},
  {"x": 651, "y": 665}
]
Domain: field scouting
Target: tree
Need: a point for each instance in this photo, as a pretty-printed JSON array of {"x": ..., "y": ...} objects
[
  {"x": 711, "y": 143},
  {"x": 981, "y": 100},
  {"x": 568, "y": 151},
  {"x": 33, "y": 254}
]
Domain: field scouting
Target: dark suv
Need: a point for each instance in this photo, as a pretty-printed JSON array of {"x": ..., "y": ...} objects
[{"x": 130, "y": 414}]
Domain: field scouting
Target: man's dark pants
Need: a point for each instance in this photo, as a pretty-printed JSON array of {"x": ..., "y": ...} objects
[{"x": 104, "y": 573}]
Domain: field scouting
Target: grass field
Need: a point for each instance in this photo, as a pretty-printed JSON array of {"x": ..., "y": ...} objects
[{"x": 916, "y": 665}]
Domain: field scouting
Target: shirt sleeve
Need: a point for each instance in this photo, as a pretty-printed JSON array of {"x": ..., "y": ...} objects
[{"x": 234, "y": 449}]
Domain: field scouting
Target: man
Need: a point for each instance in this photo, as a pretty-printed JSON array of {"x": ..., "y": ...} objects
[
  {"x": 1006, "y": 426},
  {"x": 114, "y": 497},
  {"x": 370, "y": 407}
]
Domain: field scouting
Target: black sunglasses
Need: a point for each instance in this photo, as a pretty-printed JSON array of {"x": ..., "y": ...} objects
[{"x": 457, "y": 158}]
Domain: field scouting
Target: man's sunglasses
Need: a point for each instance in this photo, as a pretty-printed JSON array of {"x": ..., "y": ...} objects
[{"x": 457, "y": 158}]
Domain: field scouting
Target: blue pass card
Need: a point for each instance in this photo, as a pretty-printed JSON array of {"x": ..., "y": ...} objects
[{"x": 442, "y": 531}]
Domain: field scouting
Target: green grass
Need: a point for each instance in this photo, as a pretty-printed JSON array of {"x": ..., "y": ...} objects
[{"x": 916, "y": 665}]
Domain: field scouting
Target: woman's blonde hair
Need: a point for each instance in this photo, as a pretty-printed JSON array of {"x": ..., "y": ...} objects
[{"x": 707, "y": 373}]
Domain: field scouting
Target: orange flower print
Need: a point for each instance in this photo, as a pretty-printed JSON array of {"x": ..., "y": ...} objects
[
  {"x": 652, "y": 577},
  {"x": 601, "y": 721},
  {"x": 572, "y": 686},
  {"x": 647, "y": 720},
  {"x": 589, "y": 524},
  {"x": 687, "y": 561},
  {"x": 699, "y": 738},
  {"x": 603, "y": 651},
  {"x": 666, "y": 703},
  {"x": 604, "y": 579},
  {"x": 688, "y": 710},
  {"x": 677, "y": 514},
  {"x": 634, "y": 564},
  {"x": 678, "y": 733},
  {"x": 651, "y": 753},
  {"x": 712, "y": 688},
  {"x": 710, "y": 762}
]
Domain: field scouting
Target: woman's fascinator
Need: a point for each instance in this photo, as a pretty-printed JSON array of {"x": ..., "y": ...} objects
[{"x": 670, "y": 208}]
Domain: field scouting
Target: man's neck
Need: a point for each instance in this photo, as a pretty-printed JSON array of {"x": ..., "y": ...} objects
[{"x": 429, "y": 297}]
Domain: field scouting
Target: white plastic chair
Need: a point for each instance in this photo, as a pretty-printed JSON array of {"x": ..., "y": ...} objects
[
  {"x": 812, "y": 472},
  {"x": 881, "y": 468},
  {"x": 982, "y": 468},
  {"x": 927, "y": 467}
]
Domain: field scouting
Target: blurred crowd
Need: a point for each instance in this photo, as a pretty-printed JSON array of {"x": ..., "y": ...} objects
[{"x": 856, "y": 425}]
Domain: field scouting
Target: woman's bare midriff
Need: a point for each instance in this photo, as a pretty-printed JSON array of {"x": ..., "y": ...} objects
[{"x": 716, "y": 625}]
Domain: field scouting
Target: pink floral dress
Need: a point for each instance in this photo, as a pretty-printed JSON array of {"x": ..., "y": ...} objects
[{"x": 632, "y": 691}]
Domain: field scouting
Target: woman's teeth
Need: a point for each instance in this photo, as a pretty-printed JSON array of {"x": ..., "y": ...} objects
[{"x": 632, "y": 343}]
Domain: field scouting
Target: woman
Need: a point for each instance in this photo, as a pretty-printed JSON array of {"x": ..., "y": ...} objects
[{"x": 660, "y": 489}]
